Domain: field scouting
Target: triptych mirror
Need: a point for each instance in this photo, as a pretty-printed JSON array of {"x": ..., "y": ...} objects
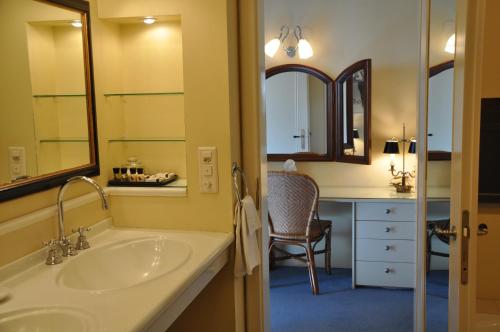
[
  {"x": 47, "y": 106},
  {"x": 311, "y": 117}
]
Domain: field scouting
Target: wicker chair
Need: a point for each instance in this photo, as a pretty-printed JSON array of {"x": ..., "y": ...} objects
[
  {"x": 431, "y": 232},
  {"x": 294, "y": 220}
]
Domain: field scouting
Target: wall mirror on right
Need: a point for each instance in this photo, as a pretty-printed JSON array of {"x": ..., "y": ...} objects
[
  {"x": 353, "y": 101},
  {"x": 440, "y": 109}
]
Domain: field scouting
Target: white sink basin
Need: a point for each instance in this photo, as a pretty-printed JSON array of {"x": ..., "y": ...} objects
[
  {"x": 123, "y": 264},
  {"x": 46, "y": 320}
]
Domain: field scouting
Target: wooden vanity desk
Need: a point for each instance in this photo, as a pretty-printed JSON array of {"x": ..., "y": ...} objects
[{"x": 383, "y": 232}]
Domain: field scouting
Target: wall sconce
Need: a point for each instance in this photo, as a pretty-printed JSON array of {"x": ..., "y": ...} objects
[
  {"x": 392, "y": 147},
  {"x": 303, "y": 47},
  {"x": 76, "y": 23}
]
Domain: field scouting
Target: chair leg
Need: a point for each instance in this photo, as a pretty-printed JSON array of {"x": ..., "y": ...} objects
[
  {"x": 328, "y": 249},
  {"x": 271, "y": 255},
  {"x": 311, "y": 265}
]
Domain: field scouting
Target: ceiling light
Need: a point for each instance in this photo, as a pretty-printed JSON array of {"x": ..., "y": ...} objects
[
  {"x": 450, "y": 45},
  {"x": 303, "y": 47},
  {"x": 76, "y": 23},
  {"x": 149, "y": 19}
]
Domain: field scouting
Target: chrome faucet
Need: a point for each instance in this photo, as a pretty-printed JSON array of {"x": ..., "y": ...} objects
[{"x": 67, "y": 247}]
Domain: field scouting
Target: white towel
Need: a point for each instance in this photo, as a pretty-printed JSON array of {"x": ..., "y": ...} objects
[{"x": 247, "y": 222}]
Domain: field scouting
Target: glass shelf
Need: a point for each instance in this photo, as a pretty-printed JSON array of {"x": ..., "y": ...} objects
[
  {"x": 61, "y": 95},
  {"x": 148, "y": 139},
  {"x": 64, "y": 140},
  {"x": 122, "y": 94}
]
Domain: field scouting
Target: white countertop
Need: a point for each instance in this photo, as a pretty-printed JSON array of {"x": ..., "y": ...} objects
[
  {"x": 135, "y": 308},
  {"x": 349, "y": 194}
]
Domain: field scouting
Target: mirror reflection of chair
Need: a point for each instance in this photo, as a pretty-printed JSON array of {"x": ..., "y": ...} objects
[
  {"x": 294, "y": 220},
  {"x": 432, "y": 227}
]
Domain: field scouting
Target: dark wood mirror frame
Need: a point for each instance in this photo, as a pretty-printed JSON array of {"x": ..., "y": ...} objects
[
  {"x": 439, "y": 155},
  {"x": 364, "y": 65},
  {"x": 309, "y": 156},
  {"x": 51, "y": 180}
]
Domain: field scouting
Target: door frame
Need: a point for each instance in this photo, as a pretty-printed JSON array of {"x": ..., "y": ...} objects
[{"x": 465, "y": 158}]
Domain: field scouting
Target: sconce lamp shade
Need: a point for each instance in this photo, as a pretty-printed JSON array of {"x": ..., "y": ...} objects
[
  {"x": 355, "y": 133},
  {"x": 413, "y": 146},
  {"x": 391, "y": 147},
  {"x": 272, "y": 47},
  {"x": 305, "y": 49}
]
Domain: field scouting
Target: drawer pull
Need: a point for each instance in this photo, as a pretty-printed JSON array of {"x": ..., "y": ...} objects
[
  {"x": 388, "y": 270},
  {"x": 387, "y": 211},
  {"x": 388, "y": 229},
  {"x": 387, "y": 248}
]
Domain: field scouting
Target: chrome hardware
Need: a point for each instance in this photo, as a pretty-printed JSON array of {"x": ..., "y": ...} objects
[
  {"x": 387, "y": 248},
  {"x": 67, "y": 248},
  {"x": 482, "y": 229},
  {"x": 388, "y": 270},
  {"x": 82, "y": 243},
  {"x": 53, "y": 256},
  {"x": 450, "y": 233},
  {"x": 387, "y": 211},
  {"x": 387, "y": 229}
]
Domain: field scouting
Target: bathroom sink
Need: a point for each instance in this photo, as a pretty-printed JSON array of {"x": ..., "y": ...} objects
[
  {"x": 45, "y": 320},
  {"x": 123, "y": 264}
]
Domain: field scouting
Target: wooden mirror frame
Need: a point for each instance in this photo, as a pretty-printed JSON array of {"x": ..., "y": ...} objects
[
  {"x": 434, "y": 155},
  {"x": 309, "y": 156},
  {"x": 339, "y": 150},
  {"x": 51, "y": 180}
]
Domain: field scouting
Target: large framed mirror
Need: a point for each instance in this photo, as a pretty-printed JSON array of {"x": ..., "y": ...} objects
[
  {"x": 353, "y": 105},
  {"x": 440, "y": 109},
  {"x": 299, "y": 119},
  {"x": 48, "y": 127}
]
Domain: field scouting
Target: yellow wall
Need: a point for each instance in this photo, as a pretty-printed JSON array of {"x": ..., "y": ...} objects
[
  {"x": 341, "y": 33},
  {"x": 488, "y": 248}
]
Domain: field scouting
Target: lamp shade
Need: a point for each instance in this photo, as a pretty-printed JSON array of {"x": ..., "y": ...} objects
[
  {"x": 391, "y": 147},
  {"x": 272, "y": 47},
  {"x": 355, "y": 133},
  {"x": 305, "y": 49},
  {"x": 413, "y": 146}
]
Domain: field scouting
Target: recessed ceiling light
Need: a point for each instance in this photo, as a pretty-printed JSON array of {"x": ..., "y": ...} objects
[
  {"x": 76, "y": 23},
  {"x": 149, "y": 20}
]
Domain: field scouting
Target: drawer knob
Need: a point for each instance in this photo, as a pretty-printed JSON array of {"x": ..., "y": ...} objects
[
  {"x": 387, "y": 229},
  {"x": 387, "y": 211},
  {"x": 387, "y": 270},
  {"x": 387, "y": 248}
]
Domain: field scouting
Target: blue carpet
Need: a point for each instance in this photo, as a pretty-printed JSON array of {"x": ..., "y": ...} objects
[{"x": 339, "y": 308}]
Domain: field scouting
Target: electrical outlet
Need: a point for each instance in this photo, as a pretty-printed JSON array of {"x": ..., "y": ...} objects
[{"x": 209, "y": 179}]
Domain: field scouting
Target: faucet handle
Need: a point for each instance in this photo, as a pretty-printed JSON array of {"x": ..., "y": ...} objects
[
  {"x": 81, "y": 230},
  {"x": 82, "y": 243},
  {"x": 53, "y": 257}
]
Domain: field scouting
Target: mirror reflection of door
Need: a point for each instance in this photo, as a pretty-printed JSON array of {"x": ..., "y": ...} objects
[
  {"x": 353, "y": 106},
  {"x": 297, "y": 120}
]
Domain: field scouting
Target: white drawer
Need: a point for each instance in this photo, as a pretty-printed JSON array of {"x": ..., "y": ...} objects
[
  {"x": 385, "y": 250},
  {"x": 386, "y": 211},
  {"x": 392, "y": 230},
  {"x": 385, "y": 274}
]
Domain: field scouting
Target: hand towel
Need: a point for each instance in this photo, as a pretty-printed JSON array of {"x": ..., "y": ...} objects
[{"x": 247, "y": 222}]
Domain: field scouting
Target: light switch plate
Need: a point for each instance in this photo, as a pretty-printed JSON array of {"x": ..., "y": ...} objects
[
  {"x": 17, "y": 161},
  {"x": 207, "y": 168}
]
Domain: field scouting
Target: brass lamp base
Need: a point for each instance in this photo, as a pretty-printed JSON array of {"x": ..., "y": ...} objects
[{"x": 404, "y": 189}]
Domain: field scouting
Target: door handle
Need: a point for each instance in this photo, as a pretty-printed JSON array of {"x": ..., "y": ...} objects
[
  {"x": 448, "y": 232},
  {"x": 482, "y": 229}
]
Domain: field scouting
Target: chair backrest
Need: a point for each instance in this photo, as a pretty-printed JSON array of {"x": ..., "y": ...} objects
[{"x": 293, "y": 202}]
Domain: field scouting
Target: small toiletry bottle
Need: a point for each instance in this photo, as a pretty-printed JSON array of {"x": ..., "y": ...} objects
[
  {"x": 116, "y": 173},
  {"x": 133, "y": 174},
  {"x": 140, "y": 174},
  {"x": 124, "y": 174}
]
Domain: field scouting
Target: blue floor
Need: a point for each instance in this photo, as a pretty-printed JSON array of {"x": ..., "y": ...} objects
[{"x": 339, "y": 308}]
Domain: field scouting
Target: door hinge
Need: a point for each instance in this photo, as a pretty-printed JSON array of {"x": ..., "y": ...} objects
[{"x": 465, "y": 248}]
